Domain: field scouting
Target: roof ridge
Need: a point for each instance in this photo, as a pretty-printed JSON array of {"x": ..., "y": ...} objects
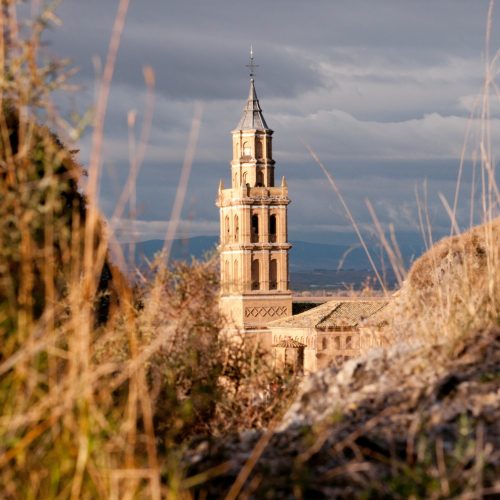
[{"x": 329, "y": 314}]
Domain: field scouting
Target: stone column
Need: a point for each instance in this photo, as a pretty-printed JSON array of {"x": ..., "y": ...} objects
[
  {"x": 245, "y": 224},
  {"x": 283, "y": 229},
  {"x": 264, "y": 224},
  {"x": 221, "y": 228},
  {"x": 247, "y": 270},
  {"x": 283, "y": 274},
  {"x": 239, "y": 284},
  {"x": 264, "y": 270}
]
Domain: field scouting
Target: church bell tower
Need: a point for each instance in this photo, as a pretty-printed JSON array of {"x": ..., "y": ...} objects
[{"x": 253, "y": 226}]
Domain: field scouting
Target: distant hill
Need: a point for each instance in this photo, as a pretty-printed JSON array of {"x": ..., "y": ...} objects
[
  {"x": 312, "y": 265},
  {"x": 304, "y": 256},
  {"x": 309, "y": 256},
  {"x": 182, "y": 249}
]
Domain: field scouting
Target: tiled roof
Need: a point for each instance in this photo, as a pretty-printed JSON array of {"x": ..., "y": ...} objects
[
  {"x": 288, "y": 342},
  {"x": 252, "y": 117},
  {"x": 350, "y": 314},
  {"x": 380, "y": 318},
  {"x": 309, "y": 318},
  {"x": 336, "y": 313}
]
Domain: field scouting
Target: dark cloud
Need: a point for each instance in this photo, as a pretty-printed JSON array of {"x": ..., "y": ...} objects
[{"x": 381, "y": 90}]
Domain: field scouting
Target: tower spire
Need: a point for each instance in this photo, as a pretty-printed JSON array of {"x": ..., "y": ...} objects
[{"x": 252, "y": 117}]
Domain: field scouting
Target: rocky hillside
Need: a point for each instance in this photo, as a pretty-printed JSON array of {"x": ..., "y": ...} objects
[
  {"x": 415, "y": 421},
  {"x": 452, "y": 289},
  {"x": 420, "y": 419}
]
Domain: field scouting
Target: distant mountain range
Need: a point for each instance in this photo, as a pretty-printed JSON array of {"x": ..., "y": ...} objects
[{"x": 304, "y": 256}]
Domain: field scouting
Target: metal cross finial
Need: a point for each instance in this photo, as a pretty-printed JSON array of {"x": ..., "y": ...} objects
[{"x": 252, "y": 65}]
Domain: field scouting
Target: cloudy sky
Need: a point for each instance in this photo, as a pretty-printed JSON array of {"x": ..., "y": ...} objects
[{"x": 381, "y": 90}]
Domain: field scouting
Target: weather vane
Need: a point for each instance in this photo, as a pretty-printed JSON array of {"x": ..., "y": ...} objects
[{"x": 252, "y": 65}]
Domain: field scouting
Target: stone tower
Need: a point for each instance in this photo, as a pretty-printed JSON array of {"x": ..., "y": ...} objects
[{"x": 253, "y": 227}]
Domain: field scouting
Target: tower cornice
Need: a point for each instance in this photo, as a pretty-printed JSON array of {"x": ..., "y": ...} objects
[{"x": 252, "y": 131}]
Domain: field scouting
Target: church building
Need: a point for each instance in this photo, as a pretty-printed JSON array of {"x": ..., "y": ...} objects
[
  {"x": 255, "y": 295},
  {"x": 253, "y": 226}
]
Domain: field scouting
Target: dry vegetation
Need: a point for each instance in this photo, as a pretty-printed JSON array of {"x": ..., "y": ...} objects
[
  {"x": 449, "y": 292},
  {"x": 104, "y": 385},
  {"x": 398, "y": 423},
  {"x": 456, "y": 283}
]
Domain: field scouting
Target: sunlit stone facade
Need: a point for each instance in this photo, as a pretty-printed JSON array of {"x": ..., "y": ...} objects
[{"x": 253, "y": 228}]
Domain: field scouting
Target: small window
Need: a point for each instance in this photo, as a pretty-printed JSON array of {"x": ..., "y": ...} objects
[
  {"x": 228, "y": 229},
  {"x": 324, "y": 343},
  {"x": 236, "y": 229},
  {"x": 348, "y": 342},
  {"x": 337, "y": 343},
  {"x": 247, "y": 150}
]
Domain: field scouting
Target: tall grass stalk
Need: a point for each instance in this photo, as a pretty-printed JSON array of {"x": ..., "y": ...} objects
[{"x": 102, "y": 381}]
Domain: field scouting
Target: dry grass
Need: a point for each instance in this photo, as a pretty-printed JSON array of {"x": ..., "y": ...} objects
[
  {"x": 101, "y": 384},
  {"x": 453, "y": 289}
]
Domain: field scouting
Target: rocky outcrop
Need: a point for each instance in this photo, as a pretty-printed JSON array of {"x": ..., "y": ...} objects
[
  {"x": 420, "y": 418},
  {"x": 412, "y": 420},
  {"x": 452, "y": 289}
]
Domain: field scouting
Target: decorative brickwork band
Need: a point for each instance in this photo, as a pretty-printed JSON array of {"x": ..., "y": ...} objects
[{"x": 265, "y": 312}]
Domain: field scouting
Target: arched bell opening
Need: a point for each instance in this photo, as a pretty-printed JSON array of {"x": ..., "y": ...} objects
[
  {"x": 273, "y": 274},
  {"x": 272, "y": 228},
  {"x": 255, "y": 274},
  {"x": 255, "y": 228}
]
